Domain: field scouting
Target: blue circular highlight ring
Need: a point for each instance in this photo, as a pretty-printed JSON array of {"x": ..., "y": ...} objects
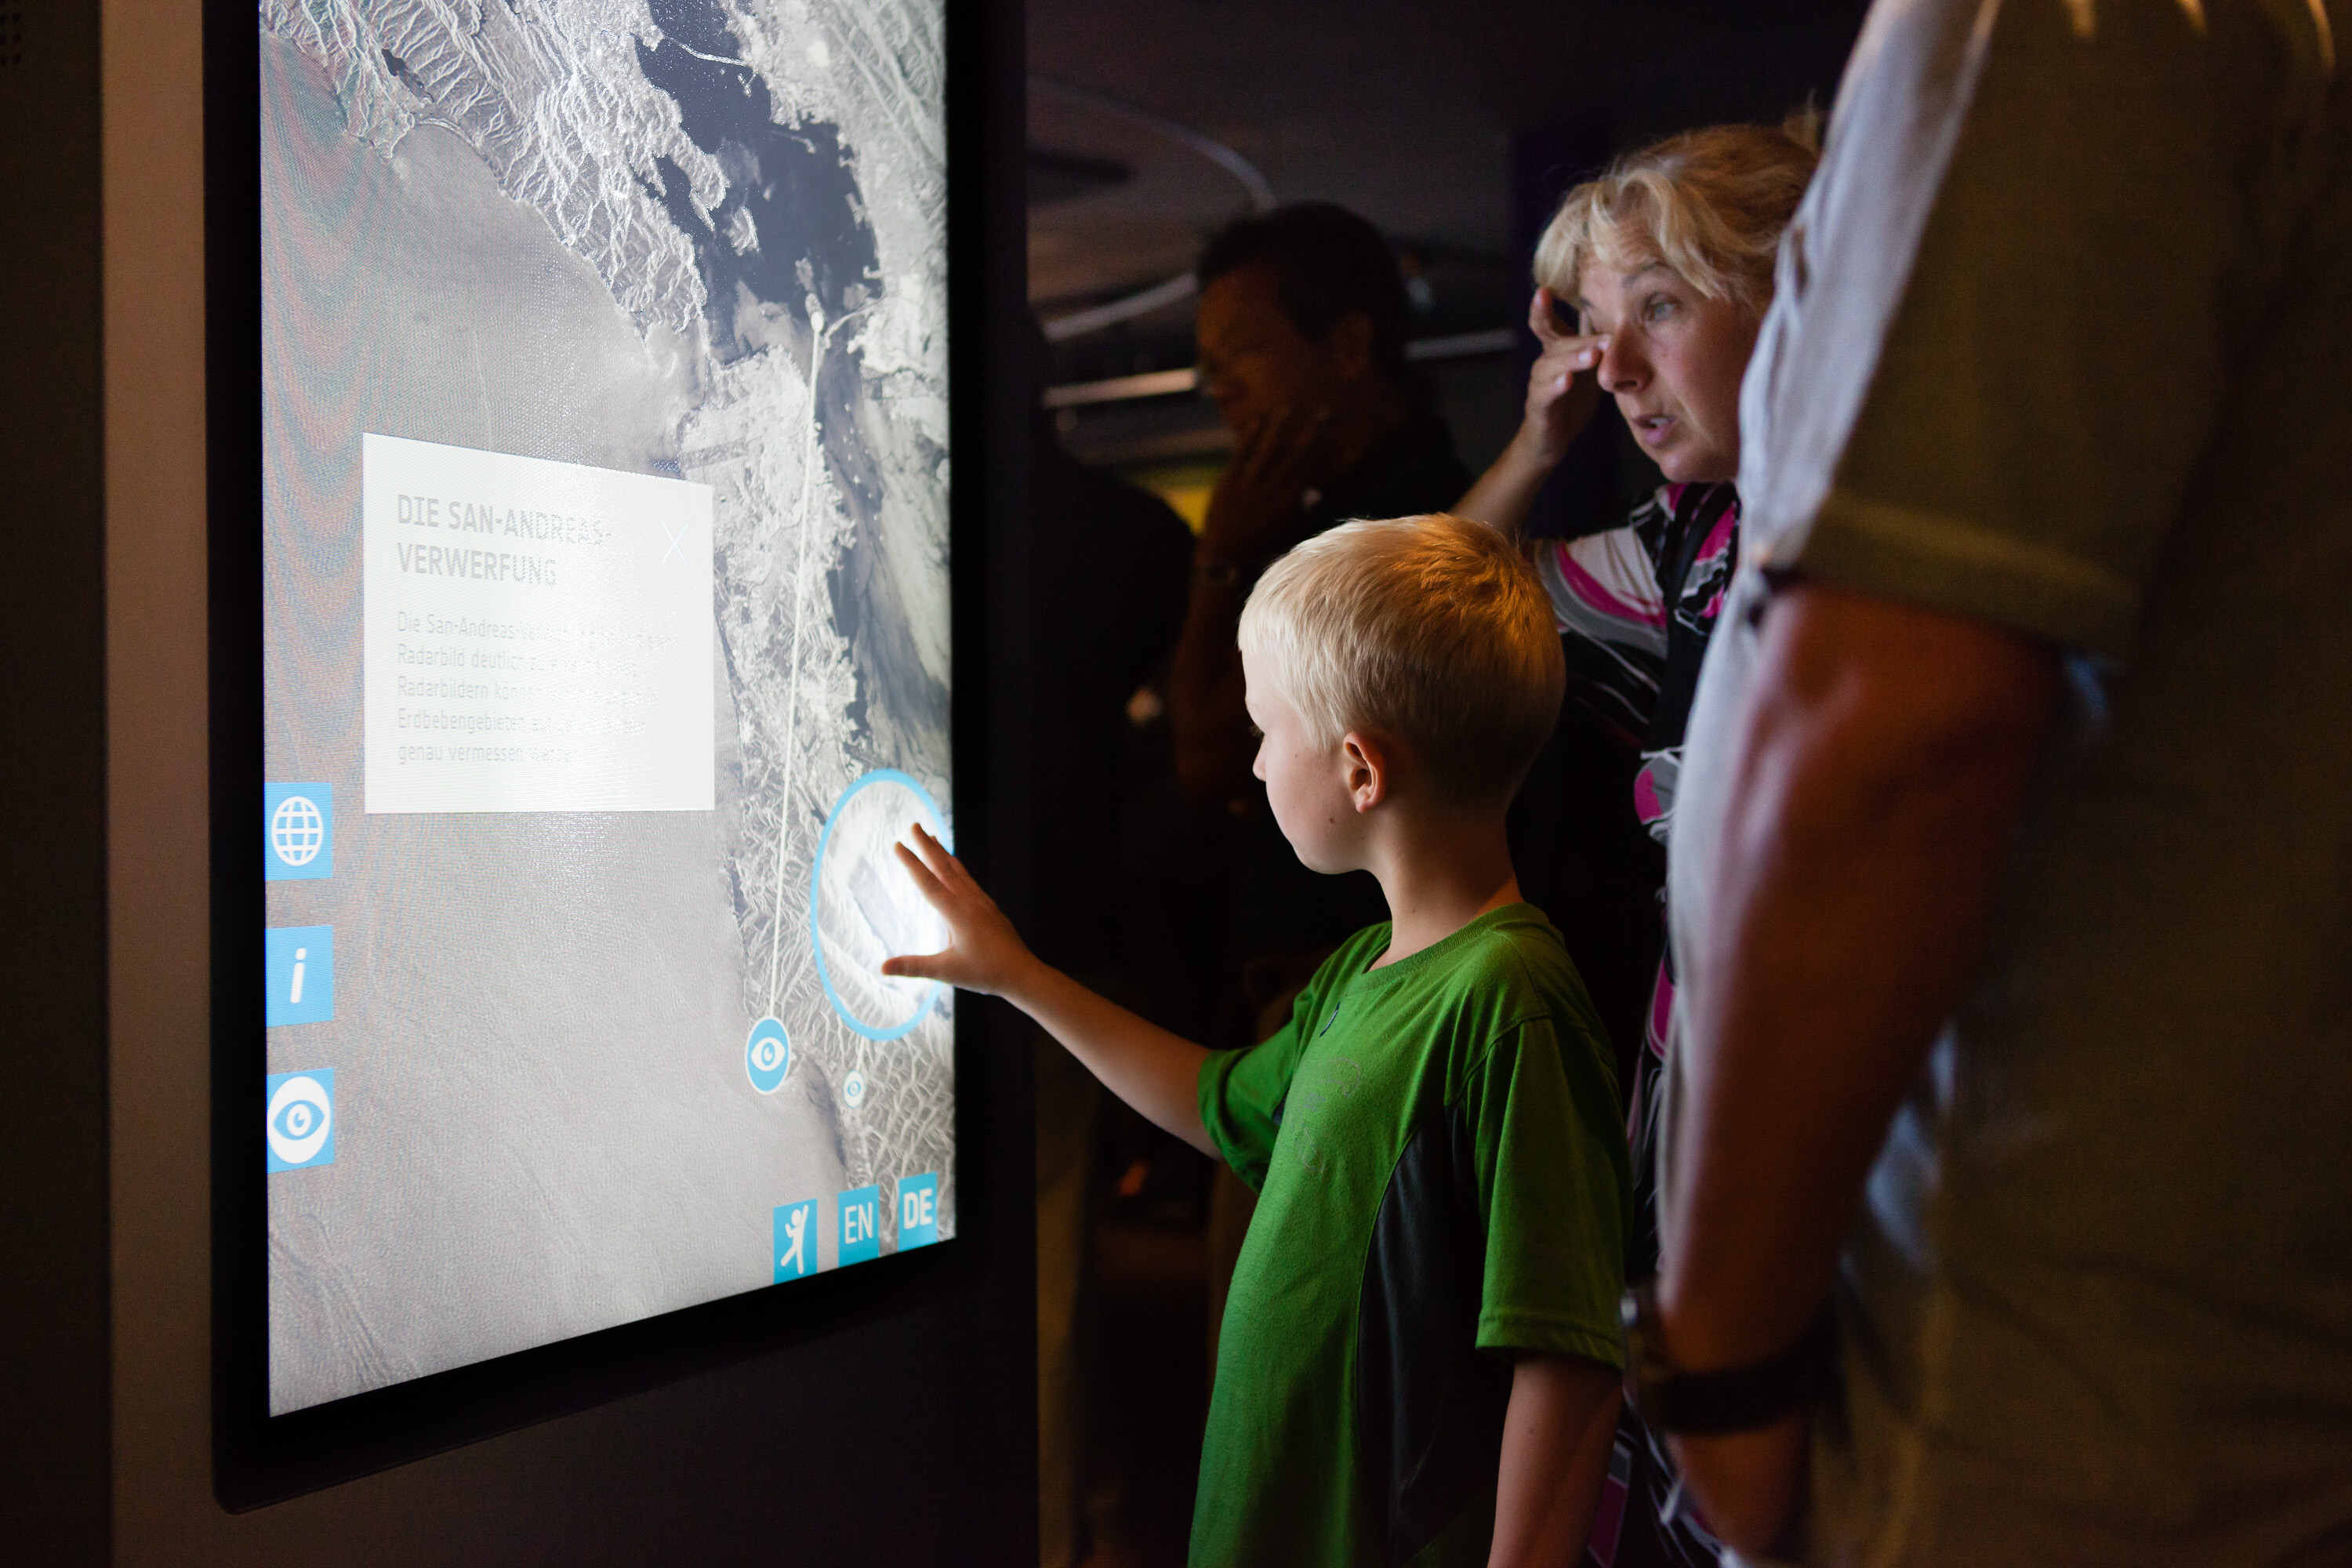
[
  {"x": 767, "y": 1056},
  {"x": 816, "y": 882}
]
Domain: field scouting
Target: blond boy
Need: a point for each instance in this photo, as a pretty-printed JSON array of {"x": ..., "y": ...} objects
[{"x": 1418, "y": 1358}]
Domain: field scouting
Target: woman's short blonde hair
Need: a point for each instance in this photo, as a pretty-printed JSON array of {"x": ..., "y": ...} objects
[
  {"x": 1430, "y": 630},
  {"x": 1708, "y": 204}
]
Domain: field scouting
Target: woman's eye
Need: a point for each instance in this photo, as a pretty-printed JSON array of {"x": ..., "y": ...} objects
[{"x": 1658, "y": 310}]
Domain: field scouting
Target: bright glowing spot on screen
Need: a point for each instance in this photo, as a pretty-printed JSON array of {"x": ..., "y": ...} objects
[{"x": 864, "y": 909}]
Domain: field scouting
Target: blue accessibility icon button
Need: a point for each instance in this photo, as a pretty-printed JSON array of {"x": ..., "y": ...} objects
[{"x": 795, "y": 1241}]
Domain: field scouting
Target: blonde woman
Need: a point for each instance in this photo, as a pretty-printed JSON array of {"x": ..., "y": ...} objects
[{"x": 1665, "y": 265}]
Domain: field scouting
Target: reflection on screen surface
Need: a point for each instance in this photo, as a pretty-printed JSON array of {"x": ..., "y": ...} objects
[{"x": 605, "y": 653}]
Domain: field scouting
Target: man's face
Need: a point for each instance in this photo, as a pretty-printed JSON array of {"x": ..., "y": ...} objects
[
  {"x": 1255, "y": 362},
  {"x": 1674, "y": 362}
]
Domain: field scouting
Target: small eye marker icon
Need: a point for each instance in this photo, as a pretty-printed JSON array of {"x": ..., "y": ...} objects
[
  {"x": 300, "y": 1125},
  {"x": 767, "y": 1056}
]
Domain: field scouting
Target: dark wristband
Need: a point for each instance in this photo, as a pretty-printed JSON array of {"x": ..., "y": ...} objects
[{"x": 1732, "y": 1399}]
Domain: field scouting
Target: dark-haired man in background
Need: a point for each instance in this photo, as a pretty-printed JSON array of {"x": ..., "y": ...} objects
[{"x": 1301, "y": 332}]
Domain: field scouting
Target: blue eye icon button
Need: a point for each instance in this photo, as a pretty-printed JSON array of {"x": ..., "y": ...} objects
[
  {"x": 298, "y": 831},
  {"x": 853, "y": 1090},
  {"x": 919, "y": 1211},
  {"x": 767, "y": 1056},
  {"x": 298, "y": 968},
  {"x": 301, "y": 1126},
  {"x": 861, "y": 1234},
  {"x": 796, "y": 1241}
]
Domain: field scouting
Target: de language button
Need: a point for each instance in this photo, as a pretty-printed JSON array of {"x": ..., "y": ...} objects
[{"x": 919, "y": 1211}]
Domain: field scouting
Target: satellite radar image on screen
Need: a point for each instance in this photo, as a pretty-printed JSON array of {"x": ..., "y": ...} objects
[{"x": 606, "y": 652}]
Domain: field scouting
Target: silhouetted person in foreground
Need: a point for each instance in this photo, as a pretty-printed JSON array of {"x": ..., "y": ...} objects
[{"x": 2010, "y": 880}]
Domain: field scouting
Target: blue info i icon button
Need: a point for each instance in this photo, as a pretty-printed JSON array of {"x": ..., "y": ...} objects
[{"x": 298, "y": 967}]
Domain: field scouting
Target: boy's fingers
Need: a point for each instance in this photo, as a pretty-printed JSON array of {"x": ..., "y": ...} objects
[
  {"x": 944, "y": 866},
  {"x": 926, "y": 881},
  {"x": 914, "y": 966},
  {"x": 934, "y": 853}
]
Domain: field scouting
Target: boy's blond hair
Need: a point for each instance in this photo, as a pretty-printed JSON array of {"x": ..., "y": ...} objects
[
  {"x": 1708, "y": 204},
  {"x": 1430, "y": 630}
]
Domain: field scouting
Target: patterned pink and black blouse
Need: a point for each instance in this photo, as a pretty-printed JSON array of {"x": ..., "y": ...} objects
[{"x": 1636, "y": 607}]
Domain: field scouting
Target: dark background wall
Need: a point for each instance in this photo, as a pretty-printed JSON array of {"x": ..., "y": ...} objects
[{"x": 53, "y": 1174}]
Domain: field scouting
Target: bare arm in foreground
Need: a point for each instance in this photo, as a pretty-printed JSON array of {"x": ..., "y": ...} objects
[
  {"x": 1556, "y": 1442},
  {"x": 1154, "y": 1071},
  {"x": 1877, "y": 776}
]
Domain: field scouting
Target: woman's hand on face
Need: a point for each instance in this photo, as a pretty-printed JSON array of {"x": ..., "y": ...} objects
[
  {"x": 1564, "y": 388},
  {"x": 983, "y": 953}
]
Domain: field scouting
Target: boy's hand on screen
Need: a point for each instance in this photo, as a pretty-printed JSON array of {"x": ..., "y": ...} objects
[{"x": 983, "y": 953}]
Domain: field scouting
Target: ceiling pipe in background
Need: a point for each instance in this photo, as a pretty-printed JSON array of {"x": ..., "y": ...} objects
[{"x": 1159, "y": 296}]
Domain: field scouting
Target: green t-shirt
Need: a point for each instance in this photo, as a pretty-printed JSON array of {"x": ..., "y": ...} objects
[{"x": 1441, "y": 1166}]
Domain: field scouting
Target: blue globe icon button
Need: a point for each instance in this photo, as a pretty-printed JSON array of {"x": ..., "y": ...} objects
[
  {"x": 767, "y": 1056},
  {"x": 298, "y": 831}
]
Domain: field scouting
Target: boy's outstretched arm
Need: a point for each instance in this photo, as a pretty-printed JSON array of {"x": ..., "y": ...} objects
[
  {"x": 1154, "y": 1071},
  {"x": 1556, "y": 1439}
]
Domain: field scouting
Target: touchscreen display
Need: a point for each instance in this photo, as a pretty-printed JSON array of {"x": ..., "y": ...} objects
[{"x": 606, "y": 654}]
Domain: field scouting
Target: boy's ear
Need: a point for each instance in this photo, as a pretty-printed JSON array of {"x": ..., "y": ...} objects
[{"x": 1370, "y": 765}]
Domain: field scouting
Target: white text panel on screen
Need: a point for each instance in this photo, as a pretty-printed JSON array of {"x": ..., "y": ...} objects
[{"x": 536, "y": 634}]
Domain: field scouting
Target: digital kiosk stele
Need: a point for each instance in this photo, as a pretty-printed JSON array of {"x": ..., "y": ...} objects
[{"x": 603, "y": 645}]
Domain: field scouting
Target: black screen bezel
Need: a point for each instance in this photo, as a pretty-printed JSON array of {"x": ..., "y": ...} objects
[{"x": 259, "y": 1458}]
